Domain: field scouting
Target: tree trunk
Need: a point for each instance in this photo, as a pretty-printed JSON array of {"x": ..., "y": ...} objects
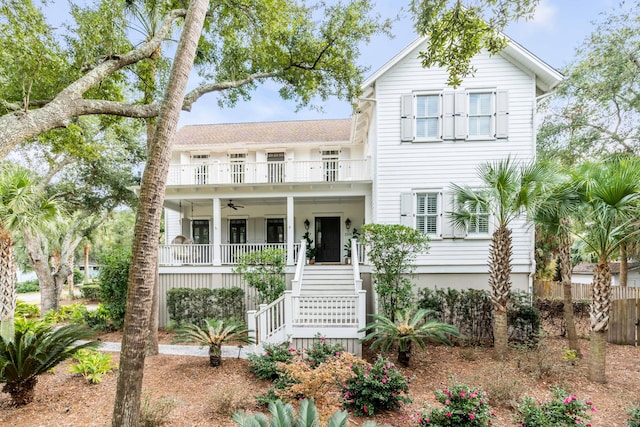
[
  {"x": 152, "y": 337},
  {"x": 21, "y": 392},
  {"x": 215, "y": 355},
  {"x": 565, "y": 275},
  {"x": 599, "y": 313},
  {"x": 40, "y": 264},
  {"x": 7, "y": 285},
  {"x": 500, "y": 283},
  {"x": 624, "y": 265},
  {"x": 126, "y": 411}
]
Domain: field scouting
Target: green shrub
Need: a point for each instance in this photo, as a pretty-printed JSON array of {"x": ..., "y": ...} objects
[
  {"x": 91, "y": 292},
  {"x": 99, "y": 319},
  {"x": 92, "y": 365},
  {"x": 562, "y": 410},
  {"x": 321, "y": 351},
  {"x": 634, "y": 416},
  {"x": 28, "y": 286},
  {"x": 463, "y": 406},
  {"x": 470, "y": 310},
  {"x": 24, "y": 309},
  {"x": 66, "y": 313},
  {"x": 264, "y": 270},
  {"x": 375, "y": 387},
  {"x": 265, "y": 365},
  {"x": 193, "y": 306},
  {"x": 283, "y": 414},
  {"x": 113, "y": 280},
  {"x": 78, "y": 277}
]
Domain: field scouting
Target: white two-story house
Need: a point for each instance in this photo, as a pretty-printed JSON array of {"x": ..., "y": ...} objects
[{"x": 234, "y": 188}]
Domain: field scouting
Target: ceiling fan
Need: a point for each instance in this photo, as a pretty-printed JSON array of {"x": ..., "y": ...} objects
[{"x": 233, "y": 205}]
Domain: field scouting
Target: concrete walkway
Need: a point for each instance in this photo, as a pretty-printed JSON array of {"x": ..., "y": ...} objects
[{"x": 228, "y": 352}]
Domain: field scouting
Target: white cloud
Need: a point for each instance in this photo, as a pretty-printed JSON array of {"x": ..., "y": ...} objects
[{"x": 545, "y": 16}]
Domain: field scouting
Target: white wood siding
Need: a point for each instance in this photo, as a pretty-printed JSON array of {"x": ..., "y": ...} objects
[{"x": 402, "y": 167}]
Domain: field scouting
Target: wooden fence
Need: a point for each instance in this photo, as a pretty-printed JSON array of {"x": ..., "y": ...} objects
[{"x": 624, "y": 316}]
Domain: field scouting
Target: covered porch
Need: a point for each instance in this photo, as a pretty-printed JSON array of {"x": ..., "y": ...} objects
[{"x": 216, "y": 231}]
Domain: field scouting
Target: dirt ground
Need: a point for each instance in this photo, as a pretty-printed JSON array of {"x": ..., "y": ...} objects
[{"x": 198, "y": 395}]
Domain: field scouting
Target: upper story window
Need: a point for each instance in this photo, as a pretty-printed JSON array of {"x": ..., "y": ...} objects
[
  {"x": 275, "y": 167},
  {"x": 201, "y": 171},
  {"x": 428, "y": 116},
  {"x": 455, "y": 115},
  {"x": 481, "y": 115}
]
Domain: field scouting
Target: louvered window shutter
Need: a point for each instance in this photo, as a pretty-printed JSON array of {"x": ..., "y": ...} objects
[
  {"x": 407, "y": 120},
  {"x": 502, "y": 114},
  {"x": 448, "y": 111},
  {"x": 447, "y": 208},
  {"x": 406, "y": 209},
  {"x": 461, "y": 115}
]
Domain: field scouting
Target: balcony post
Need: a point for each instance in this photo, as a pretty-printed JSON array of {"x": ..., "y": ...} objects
[
  {"x": 217, "y": 231},
  {"x": 290, "y": 231}
]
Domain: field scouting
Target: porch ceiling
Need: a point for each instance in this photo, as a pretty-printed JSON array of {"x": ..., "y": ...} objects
[{"x": 187, "y": 204}]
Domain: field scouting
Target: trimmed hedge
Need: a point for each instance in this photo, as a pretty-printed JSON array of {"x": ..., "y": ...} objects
[
  {"x": 91, "y": 292},
  {"x": 470, "y": 311},
  {"x": 194, "y": 305},
  {"x": 28, "y": 286}
]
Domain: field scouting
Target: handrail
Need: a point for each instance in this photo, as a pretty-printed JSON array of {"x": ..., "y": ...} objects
[
  {"x": 297, "y": 278},
  {"x": 269, "y": 319},
  {"x": 357, "y": 280}
]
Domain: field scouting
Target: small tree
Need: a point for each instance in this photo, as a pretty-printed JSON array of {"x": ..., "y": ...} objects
[
  {"x": 113, "y": 281},
  {"x": 264, "y": 271},
  {"x": 392, "y": 249}
]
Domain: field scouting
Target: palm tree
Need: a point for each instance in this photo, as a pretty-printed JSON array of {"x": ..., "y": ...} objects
[
  {"x": 611, "y": 193},
  {"x": 35, "y": 350},
  {"x": 405, "y": 331},
  {"x": 554, "y": 216},
  {"x": 24, "y": 207},
  {"x": 506, "y": 192},
  {"x": 215, "y": 334}
]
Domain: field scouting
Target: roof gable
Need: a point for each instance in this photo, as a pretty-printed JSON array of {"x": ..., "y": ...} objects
[{"x": 547, "y": 78}]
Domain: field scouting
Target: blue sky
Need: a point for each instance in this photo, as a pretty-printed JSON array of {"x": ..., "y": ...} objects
[{"x": 558, "y": 28}]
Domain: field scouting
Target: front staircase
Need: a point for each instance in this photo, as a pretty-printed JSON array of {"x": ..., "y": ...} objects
[{"x": 325, "y": 300}]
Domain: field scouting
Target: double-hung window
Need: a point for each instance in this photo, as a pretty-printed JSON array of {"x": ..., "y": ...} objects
[
  {"x": 427, "y": 213},
  {"x": 479, "y": 223},
  {"x": 428, "y": 117},
  {"x": 481, "y": 115},
  {"x": 472, "y": 114}
]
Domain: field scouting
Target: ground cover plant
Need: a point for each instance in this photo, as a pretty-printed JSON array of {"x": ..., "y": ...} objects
[{"x": 462, "y": 406}]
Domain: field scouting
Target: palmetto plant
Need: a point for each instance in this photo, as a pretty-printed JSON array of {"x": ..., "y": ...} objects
[
  {"x": 34, "y": 351},
  {"x": 506, "y": 191},
  {"x": 283, "y": 414},
  {"x": 215, "y": 334},
  {"x": 406, "y": 330}
]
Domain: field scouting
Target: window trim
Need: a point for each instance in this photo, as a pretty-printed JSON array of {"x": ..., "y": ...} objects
[
  {"x": 492, "y": 115},
  {"x": 438, "y": 137},
  {"x": 439, "y": 214}
]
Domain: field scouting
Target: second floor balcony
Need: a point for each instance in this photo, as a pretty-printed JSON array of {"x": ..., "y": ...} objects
[{"x": 270, "y": 172}]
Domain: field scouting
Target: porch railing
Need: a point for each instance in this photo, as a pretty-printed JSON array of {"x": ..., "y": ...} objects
[
  {"x": 202, "y": 254},
  {"x": 269, "y": 172}
]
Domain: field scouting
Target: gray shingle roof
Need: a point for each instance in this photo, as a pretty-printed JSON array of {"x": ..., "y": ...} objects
[{"x": 336, "y": 130}]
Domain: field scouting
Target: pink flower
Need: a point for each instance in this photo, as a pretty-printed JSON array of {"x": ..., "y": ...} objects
[
  {"x": 448, "y": 415},
  {"x": 446, "y": 402},
  {"x": 593, "y": 409},
  {"x": 567, "y": 400},
  {"x": 364, "y": 408},
  {"x": 472, "y": 417},
  {"x": 323, "y": 339},
  {"x": 463, "y": 394}
]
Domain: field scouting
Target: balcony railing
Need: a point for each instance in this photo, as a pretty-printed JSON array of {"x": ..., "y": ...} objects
[{"x": 269, "y": 172}]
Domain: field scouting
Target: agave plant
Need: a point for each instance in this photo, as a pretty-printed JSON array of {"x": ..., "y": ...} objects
[
  {"x": 283, "y": 414},
  {"x": 406, "y": 330},
  {"x": 215, "y": 334},
  {"x": 34, "y": 351}
]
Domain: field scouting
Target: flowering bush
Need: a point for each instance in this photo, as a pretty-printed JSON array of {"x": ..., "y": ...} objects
[
  {"x": 321, "y": 351},
  {"x": 375, "y": 387},
  {"x": 266, "y": 366},
  {"x": 562, "y": 410},
  {"x": 463, "y": 406}
]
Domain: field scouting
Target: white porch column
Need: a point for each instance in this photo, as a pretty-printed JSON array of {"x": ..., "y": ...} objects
[
  {"x": 217, "y": 231},
  {"x": 368, "y": 219},
  {"x": 290, "y": 233}
]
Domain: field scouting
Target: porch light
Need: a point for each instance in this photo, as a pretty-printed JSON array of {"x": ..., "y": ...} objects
[
  {"x": 306, "y": 224},
  {"x": 347, "y": 223}
]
